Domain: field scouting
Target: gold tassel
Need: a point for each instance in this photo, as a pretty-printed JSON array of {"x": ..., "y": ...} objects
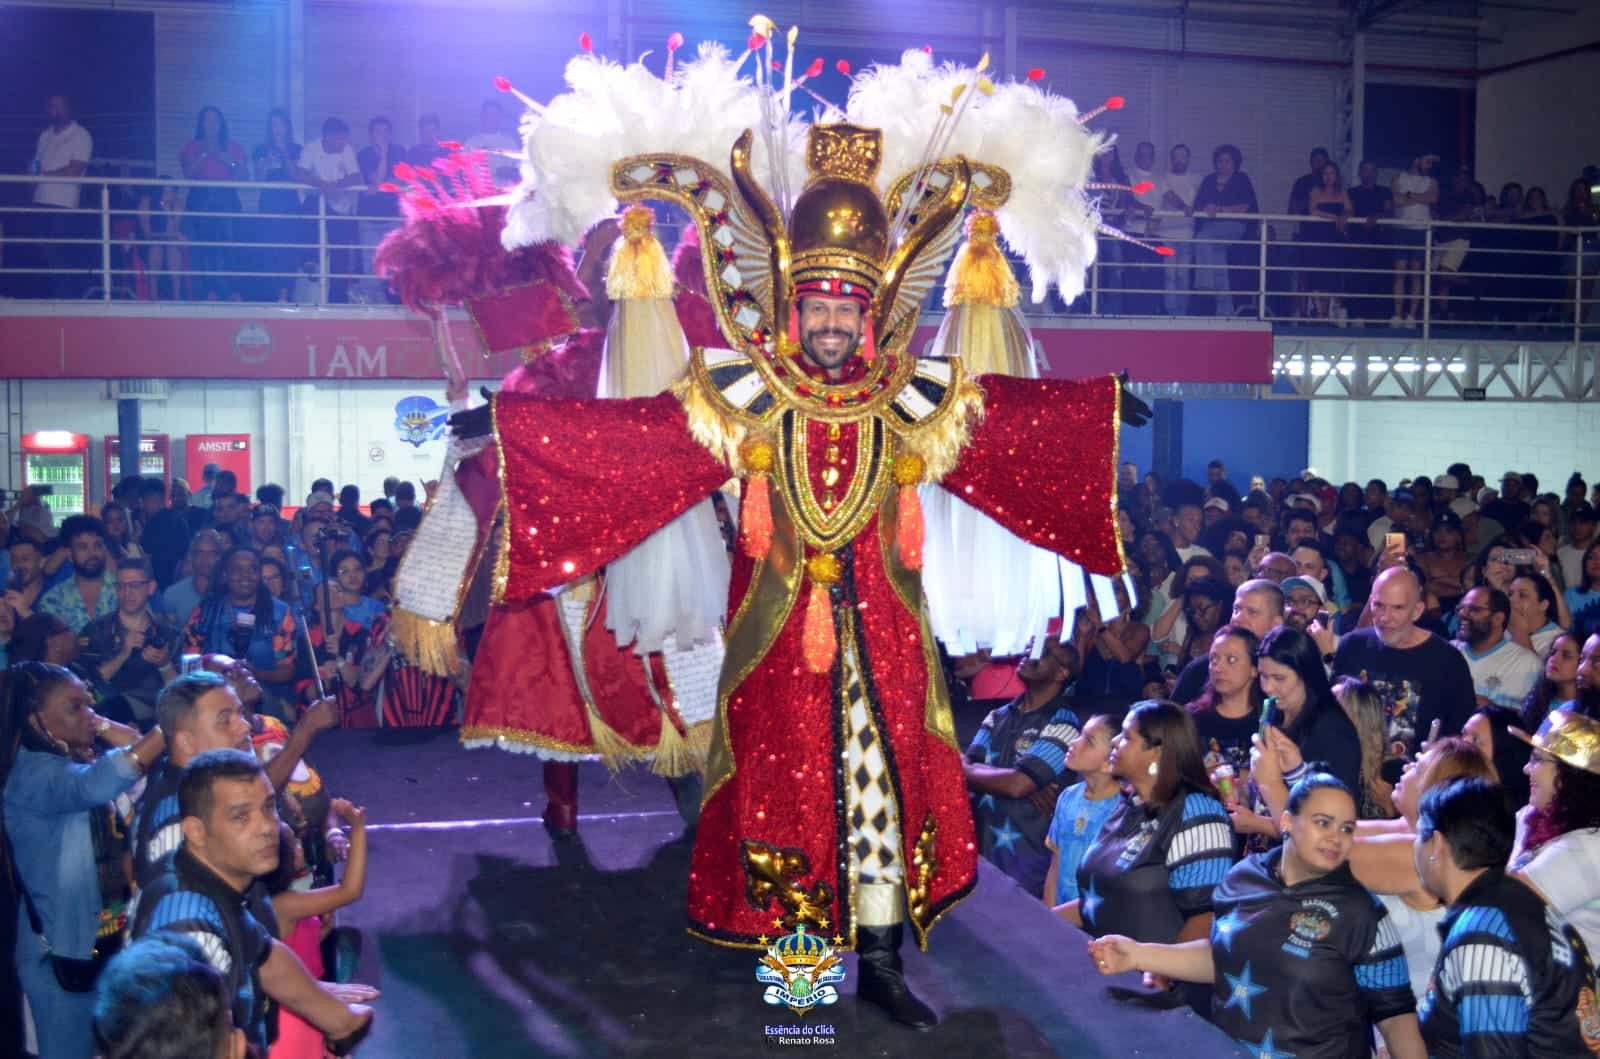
[
  {"x": 614, "y": 750},
  {"x": 639, "y": 266},
  {"x": 699, "y": 740},
  {"x": 818, "y": 637},
  {"x": 428, "y": 644},
  {"x": 981, "y": 275},
  {"x": 673, "y": 757}
]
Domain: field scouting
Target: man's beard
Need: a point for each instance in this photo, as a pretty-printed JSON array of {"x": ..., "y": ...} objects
[
  {"x": 820, "y": 358},
  {"x": 1476, "y": 631},
  {"x": 91, "y": 568}
]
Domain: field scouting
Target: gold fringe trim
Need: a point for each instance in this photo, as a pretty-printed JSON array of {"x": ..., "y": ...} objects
[
  {"x": 639, "y": 266},
  {"x": 981, "y": 275},
  {"x": 939, "y": 442},
  {"x": 699, "y": 740},
  {"x": 519, "y": 737},
  {"x": 428, "y": 644},
  {"x": 720, "y": 434},
  {"x": 673, "y": 756},
  {"x": 614, "y": 750}
]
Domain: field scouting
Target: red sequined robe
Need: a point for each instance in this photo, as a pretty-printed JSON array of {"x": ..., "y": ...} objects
[
  {"x": 588, "y": 480},
  {"x": 523, "y": 693}
]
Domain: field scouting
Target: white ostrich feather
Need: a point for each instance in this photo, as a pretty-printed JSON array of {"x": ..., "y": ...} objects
[
  {"x": 611, "y": 112},
  {"x": 1032, "y": 134}
]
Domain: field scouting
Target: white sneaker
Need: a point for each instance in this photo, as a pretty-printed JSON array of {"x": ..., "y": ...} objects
[{"x": 1395, "y": 321}]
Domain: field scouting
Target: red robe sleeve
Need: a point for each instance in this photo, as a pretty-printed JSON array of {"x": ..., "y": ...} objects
[
  {"x": 587, "y": 481},
  {"x": 1043, "y": 464}
]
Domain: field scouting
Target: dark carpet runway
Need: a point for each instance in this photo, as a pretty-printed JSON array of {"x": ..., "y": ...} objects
[{"x": 489, "y": 940}]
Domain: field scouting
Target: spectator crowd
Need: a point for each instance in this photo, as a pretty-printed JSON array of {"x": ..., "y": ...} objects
[
  {"x": 1520, "y": 257},
  {"x": 169, "y": 665},
  {"x": 200, "y": 243},
  {"x": 1381, "y": 701}
]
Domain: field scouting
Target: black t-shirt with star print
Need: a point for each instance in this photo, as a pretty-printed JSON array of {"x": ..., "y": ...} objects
[
  {"x": 1152, "y": 869},
  {"x": 1300, "y": 970}
]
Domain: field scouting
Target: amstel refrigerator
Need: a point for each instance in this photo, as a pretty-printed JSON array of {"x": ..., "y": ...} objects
[{"x": 155, "y": 459}]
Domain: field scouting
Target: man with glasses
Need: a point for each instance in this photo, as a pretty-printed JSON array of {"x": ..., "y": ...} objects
[
  {"x": 1503, "y": 671},
  {"x": 133, "y": 649}
]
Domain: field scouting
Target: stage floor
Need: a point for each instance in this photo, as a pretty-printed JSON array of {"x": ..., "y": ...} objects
[{"x": 490, "y": 940}]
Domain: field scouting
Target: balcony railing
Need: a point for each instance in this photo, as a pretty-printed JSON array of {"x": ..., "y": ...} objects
[{"x": 271, "y": 242}]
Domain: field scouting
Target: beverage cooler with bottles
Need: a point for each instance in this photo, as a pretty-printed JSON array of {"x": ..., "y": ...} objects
[
  {"x": 56, "y": 462},
  {"x": 155, "y": 459}
]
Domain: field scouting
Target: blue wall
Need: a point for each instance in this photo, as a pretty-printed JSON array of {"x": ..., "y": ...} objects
[{"x": 1269, "y": 438}]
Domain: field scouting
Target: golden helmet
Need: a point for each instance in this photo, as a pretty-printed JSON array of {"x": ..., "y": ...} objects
[{"x": 838, "y": 229}]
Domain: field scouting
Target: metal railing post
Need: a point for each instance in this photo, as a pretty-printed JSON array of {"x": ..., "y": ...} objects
[
  {"x": 322, "y": 249},
  {"x": 1577, "y": 288},
  {"x": 1094, "y": 287},
  {"x": 1261, "y": 302},
  {"x": 1427, "y": 283},
  {"x": 105, "y": 241}
]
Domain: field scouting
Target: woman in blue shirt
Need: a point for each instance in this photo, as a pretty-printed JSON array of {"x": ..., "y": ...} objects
[
  {"x": 240, "y": 618},
  {"x": 350, "y": 576},
  {"x": 1583, "y": 598},
  {"x": 63, "y": 842}
]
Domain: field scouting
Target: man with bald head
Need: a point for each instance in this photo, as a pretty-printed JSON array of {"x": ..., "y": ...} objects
[
  {"x": 1421, "y": 678},
  {"x": 1257, "y": 606}
]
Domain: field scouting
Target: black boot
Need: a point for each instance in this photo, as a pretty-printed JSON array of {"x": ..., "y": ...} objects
[
  {"x": 686, "y": 792},
  {"x": 882, "y": 977}
]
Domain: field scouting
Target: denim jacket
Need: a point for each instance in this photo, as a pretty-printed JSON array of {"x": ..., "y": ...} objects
[{"x": 47, "y": 805}]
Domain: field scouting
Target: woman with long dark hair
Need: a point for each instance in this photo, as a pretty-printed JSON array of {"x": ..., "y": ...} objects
[
  {"x": 281, "y": 222},
  {"x": 1557, "y": 686},
  {"x": 64, "y": 842},
  {"x": 1114, "y": 205},
  {"x": 1300, "y": 956},
  {"x": 211, "y": 155},
  {"x": 1227, "y": 713},
  {"x": 1165, "y": 846},
  {"x": 119, "y": 532},
  {"x": 1493, "y": 730},
  {"x": 1304, "y": 724},
  {"x": 1305, "y": 721},
  {"x": 240, "y": 618},
  {"x": 1558, "y": 852}
]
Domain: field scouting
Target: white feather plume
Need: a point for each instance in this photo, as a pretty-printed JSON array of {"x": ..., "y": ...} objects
[
  {"x": 611, "y": 112},
  {"x": 1032, "y": 134}
]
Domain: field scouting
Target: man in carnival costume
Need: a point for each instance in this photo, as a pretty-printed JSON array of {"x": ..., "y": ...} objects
[{"x": 834, "y": 797}]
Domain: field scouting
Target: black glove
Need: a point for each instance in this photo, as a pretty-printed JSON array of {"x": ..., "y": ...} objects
[
  {"x": 1135, "y": 413},
  {"x": 473, "y": 423}
]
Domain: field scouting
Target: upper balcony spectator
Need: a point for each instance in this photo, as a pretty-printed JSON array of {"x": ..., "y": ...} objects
[
  {"x": 1415, "y": 194},
  {"x": 1227, "y": 190},
  {"x": 494, "y": 135},
  {"x": 212, "y": 155},
  {"x": 379, "y": 211},
  {"x": 277, "y": 160},
  {"x": 428, "y": 136},
  {"x": 330, "y": 166},
  {"x": 64, "y": 149}
]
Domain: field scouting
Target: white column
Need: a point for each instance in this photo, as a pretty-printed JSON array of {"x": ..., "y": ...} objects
[{"x": 300, "y": 406}]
